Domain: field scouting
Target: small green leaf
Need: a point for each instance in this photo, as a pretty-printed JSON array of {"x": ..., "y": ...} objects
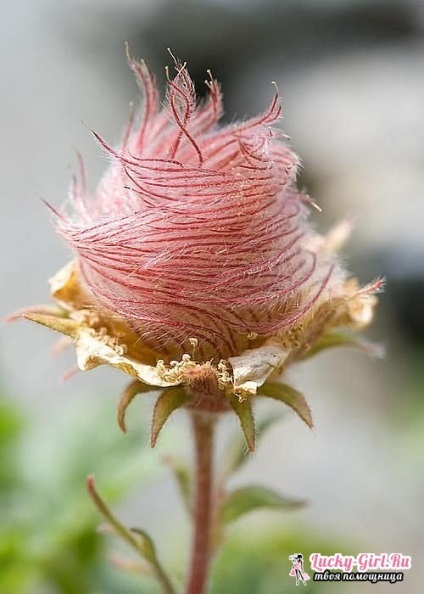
[
  {"x": 109, "y": 516},
  {"x": 184, "y": 478},
  {"x": 146, "y": 545},
  {"x": 130, "y": 392},
  {"x": 246, "y": 499},
  {"x": 143, "y": 544},
  {"x": 291, "y": 397},
  {"x": 235, "y": 453},
  {"x": 243, "y": 410},
  {"x": 170, "y": 399},
  {"x": 148, "y": 551}
]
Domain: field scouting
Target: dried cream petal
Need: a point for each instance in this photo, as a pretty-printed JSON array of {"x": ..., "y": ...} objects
[
  {"x": 357, "y": 311},
  {"x": 361, "y": 310},
  {"x": 66, "y": 289},
  {"x": 70, "y": 293},
  {"x": 93, "y": 350},
  {"x": 253, "y": 367}
]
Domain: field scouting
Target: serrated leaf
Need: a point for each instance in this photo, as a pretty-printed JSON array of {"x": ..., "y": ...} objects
[
  {"x": 235, "y": 453},
  {"x": 168, "y": 401},
  {"x": 130, "y": 392},
  {"x": 246, "y": 499},
  {"x": 290, "y": 396},
  {"x": 243, "y": 410}
]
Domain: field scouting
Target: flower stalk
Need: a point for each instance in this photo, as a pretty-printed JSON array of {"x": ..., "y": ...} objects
[{"x": 203, "y": 432}]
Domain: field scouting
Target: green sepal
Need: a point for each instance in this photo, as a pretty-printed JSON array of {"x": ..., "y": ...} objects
[
  {"x": 128, "y": 395},
  {"x": 288, "y": 395},
  {"x": 170, "y": 399},
  {"x": 334, "y": 338},
  {"x": 243, "y": 409},
  {"x": 246, "y": 499},
  {"x": 235, "y": 453}
]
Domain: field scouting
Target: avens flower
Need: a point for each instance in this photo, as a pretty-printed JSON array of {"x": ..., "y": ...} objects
[{"x": 195, "y": 263}]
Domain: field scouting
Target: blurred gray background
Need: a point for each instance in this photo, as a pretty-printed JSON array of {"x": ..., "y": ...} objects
[{"x": 351, "y": 75}]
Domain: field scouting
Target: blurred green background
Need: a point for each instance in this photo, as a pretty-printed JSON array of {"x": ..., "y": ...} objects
[
  {"x": 54, "y": 541},
  {"x": 350, "y": 73}
]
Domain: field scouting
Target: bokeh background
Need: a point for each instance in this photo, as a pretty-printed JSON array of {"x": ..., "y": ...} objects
[{"x": 351, "y": 74}]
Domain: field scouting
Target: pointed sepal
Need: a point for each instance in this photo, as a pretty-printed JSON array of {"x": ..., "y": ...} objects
[
  {"x": 290, "y": 396},
  {"x": 59, "y": 323},
  {"x": 235, "y": 453},
  {"x": 243, "y": 409},
  {"x": 166, "y": 404},
  {"x": 128, "y": 395},
  {"x": 338, "y": 338}
]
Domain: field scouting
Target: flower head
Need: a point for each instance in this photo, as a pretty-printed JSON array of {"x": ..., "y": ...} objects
[
  {"x": 196, "y": 269},
  {"x": 197, "y": 230}
]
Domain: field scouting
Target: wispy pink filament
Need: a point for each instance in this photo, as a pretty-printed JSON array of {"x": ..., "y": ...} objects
[{"x": 196, "y": 230}]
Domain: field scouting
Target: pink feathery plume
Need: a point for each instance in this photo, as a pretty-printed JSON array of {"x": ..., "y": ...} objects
[{"x": 197, "y": 230}]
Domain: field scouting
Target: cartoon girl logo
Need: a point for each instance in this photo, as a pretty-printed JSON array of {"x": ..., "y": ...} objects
[{"x": 297, "y": 570}]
